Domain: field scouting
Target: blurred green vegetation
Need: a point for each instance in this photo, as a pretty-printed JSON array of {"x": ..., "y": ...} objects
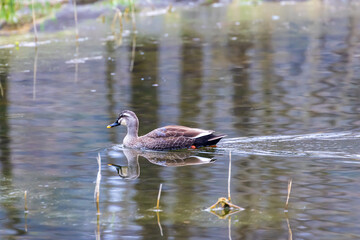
[
  {"x": 115, "y": 3},
  {"x": 8, "y": 10},
  {"x": 122, "y": 4},
  {"x": 14, "y": 13}
]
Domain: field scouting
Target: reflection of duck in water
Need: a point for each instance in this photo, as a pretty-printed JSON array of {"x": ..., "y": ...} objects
[
  {"x": 175, "y": 159},
  {"x": 167, "y": 159},
  {"x": 168, "y": 137},
  {"x": 132, "y": 169}
]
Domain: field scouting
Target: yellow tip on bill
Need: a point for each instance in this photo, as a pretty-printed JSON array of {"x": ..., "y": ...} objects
[{"x": 108, "y": 126}]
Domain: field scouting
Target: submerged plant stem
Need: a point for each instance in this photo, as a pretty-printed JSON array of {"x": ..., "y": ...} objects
[
  {"x": 230, "y": 228},
  {"x": 25, "y": 211},
  {"x": 289, "y": 228},
  {"x": 159, "y": 224}
]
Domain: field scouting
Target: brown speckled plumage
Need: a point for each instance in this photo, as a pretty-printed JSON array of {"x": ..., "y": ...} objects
[{"x": 168, "y": 137}]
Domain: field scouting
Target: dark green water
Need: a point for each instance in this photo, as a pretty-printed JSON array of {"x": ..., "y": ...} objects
[{"x": 280, "y": 79}]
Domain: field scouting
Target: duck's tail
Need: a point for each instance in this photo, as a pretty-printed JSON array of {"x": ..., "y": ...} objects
[{"x": 208, "y": 140}]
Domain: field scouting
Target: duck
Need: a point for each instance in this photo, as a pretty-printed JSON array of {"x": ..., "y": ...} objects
[{"x": 164, "y": 138}]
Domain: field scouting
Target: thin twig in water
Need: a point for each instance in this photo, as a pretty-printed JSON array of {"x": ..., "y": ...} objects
[
  {"x": 34, "y": 22},
  {"x": 97, "y": 186},
  {"x": 117, "y": 15},
  {"x": 114, "y": 21},
  {"x": 76, "y": 22},
  {"x": 118, "y": 37},
  {"x": 288, "y": 195},
  {"x": 286, "y": 208},
  {"x": 25, "y": 202},
  {"x": 158, "y": 198},
  {"x": 229, "y": 177},
  {"x": 1, "y": 90}
]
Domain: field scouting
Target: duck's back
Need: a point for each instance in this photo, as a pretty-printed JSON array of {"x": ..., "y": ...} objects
[{"x": 174, "y": 137}]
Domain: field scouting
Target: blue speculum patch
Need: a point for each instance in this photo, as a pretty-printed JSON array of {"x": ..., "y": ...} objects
[{"x": 161, "y": 132}]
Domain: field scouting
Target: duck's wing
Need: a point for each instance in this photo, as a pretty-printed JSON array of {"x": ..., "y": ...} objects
[
  {"x": 174, "y": 137},
  {"x": 178, "y": 131}
]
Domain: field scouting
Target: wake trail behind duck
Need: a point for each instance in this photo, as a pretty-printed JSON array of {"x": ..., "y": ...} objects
[{"x": 316, "y": 145}]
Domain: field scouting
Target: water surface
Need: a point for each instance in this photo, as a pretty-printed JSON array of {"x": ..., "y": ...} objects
[{"x": 281, "y": 79}]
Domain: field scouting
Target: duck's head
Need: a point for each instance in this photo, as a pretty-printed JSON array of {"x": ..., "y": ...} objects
[{"x": 126, "y": 118}]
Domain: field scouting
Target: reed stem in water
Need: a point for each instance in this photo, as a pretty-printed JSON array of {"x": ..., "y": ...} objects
[
  {"x": 229, "y": 177},
  {"x": 25, "y": 201},
  {"x": 158, "y": 198},
  {"x": 288, "y": 195}
]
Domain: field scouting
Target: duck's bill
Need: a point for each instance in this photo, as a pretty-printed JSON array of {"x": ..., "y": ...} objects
[{"x": 115, "y": 124}]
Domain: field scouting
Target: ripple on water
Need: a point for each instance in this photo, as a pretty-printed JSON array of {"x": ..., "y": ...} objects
[{"x": 316, "y": 145}]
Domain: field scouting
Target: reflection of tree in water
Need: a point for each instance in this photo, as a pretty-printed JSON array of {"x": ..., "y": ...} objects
[
  {"x": 236, "y": 53},
  {"x": 111, "y": 68},
  {"x": 7, "y": 201},
  {"x": 144, "y": 95},
  {"x": 144, "y": 100},
  {"x": 4, "y": 129},
  {"x": 191, "y": 75}
]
